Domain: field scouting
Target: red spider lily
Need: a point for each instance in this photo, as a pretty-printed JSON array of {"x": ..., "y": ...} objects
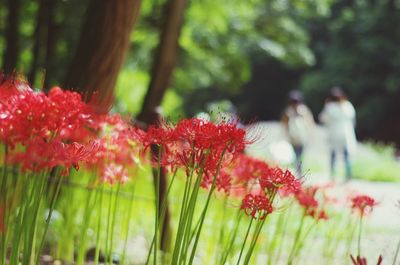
[
  {"x": 363, "y": 204},
  {"x": 363, "y": 261},
  {"x": 26, "y": 114},
  {"x": 276, "y": 178},
  {"x": 246, "y": 168},
  {"x": 317, "y": 214},
  {"x": 242, "y": 173},
  {"x": 256, "y": 206},
  {"x": 119, "y": 149},
  {"x": 40, "y": 155},
  {"x": 224, "y": 182},
  {"x": 306, "y": 199},
  {"x": 199, "y": 145},
  {"x": 113, "y": 173}
]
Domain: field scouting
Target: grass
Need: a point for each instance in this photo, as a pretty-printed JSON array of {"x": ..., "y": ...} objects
[{"x": 376, "y": 162}]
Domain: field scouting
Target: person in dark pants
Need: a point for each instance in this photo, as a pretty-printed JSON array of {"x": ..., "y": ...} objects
[
  {"x": 298, "y": 122},
  {"x": 338, "y": 117}
]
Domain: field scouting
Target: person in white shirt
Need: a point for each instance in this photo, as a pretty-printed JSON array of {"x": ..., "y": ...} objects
[
  {"x": 339, "y": 116},
  {"x": 298, "y": 121}
]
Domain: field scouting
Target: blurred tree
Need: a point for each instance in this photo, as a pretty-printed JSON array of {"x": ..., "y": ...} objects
[
  {"x": 43, "y": 39},
  {"x": 103, "y": 44},
  {"x": 10, "y": 56},
  {"x": 262, "y": 48},
  {"x": 163, "y": 66},
  {"x": 357, "y": 48}
]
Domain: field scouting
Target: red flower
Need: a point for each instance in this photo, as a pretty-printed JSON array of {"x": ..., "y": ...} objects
[
  {"x": 197, "y": 144},
  {"x": 113, "y": 173},
  {"x": 256, "y": 206},
  {"x": 26, "y": 114},
  {"x": 306, "y": 198},
  {"x": 40, "y": 155},
  {"x": 363, "y": 261},
  {"x": 119, "y": 148},
  {"x": 278, "y": 179},
  {"x": 317, "y": 214},
  {"x": 246, "y": 168},
  {"x": 363, "y": 204}
]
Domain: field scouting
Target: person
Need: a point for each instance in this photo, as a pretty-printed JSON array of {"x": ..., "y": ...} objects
[
  {"x": 298, "y": 122},
  {"x": 339, "y": 116}
]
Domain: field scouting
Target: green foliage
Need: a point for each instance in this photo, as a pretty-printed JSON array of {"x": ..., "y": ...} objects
[
  {"x": 356, "y": 48},
  {"x": 376, "y": 162}
]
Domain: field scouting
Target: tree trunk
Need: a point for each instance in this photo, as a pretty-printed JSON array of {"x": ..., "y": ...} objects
[
  {"x": 103, "y": 44},
  {"x": 41, "y": 35},
  {"x": 50, "y": 45},
  {"x": 165, "y": 59},
  {"x": 163, "y": 66},
  {"x": 10, "y": 57}
]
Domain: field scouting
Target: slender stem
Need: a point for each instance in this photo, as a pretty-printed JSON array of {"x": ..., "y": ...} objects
[
  {"x": 108, "y": 228},
  {"x": 3, "y": 207},
  {"x": 231, "y": 240},
  {"x": 85, "y": 226},
  {"x": 97, "y": 250},
  {"x": 296, "y": 239},
  {"x": 163, "y": 211},
  {"x": 130, "y": 206},
  {"x": 182, "y": 217},
  {"x": 254, "y": 240},
  {"x": 222, "y": 229},
  {"x": 113, "y": 222},
  {"x": 359, "y": 236},
  {"x": 397, "y": 253},
  {"x": 203, "y": 215},
  {"x": 157, "y": 193},
  {"x": 244, "y": 241},
  {"x": 52, "y": 206}
]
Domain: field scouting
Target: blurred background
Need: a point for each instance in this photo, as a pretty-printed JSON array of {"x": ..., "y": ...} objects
[
  {"x": 229, "y": 56},
  {"x": 213, "y": 55}
]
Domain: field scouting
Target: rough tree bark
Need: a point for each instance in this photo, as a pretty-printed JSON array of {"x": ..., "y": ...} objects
[
  {"x": 101, "y": 51},
  {"x": 10, "y": 57},
  {"x": 162, "y": 70}
]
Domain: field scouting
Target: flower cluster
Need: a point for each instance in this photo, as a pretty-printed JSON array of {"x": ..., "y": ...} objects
[
  {"x": 363, "y": 204},
  {"x": 198, "y": 145},
  {"x": 43, "y": 131},
  {"x": 256, "y": 206},
  {"x": 119, "y": 148},
  {"x": 306, "y": 197}
]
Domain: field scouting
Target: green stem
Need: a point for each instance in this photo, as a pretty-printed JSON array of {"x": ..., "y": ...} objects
[
  {"x": 296, "y": 239},
  {"x": 254, "y": 240},
  {"x": 163, "y": 211},
  {"x": 283, "y": 236},
  {"x": 51, "y": 209},
  {"x": 231, "y": 240},
  {"x": 98, "y": 232},
  {"x": 85, "y": 226},
  {"x": 157, "y": 217},
  {"x": 203, "y": 215},
  {"x": 113, "y": 222},
  {"x": 222, "y": 229},
  {"x": 359, "y": 236},
  {"x": 244, "y": 241},
  {"x": 397, "y": 253},
  {"x": 130, "y": 206},
  {"x": 182, "y": 218},
  {"x": 107, "y": 241}
]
